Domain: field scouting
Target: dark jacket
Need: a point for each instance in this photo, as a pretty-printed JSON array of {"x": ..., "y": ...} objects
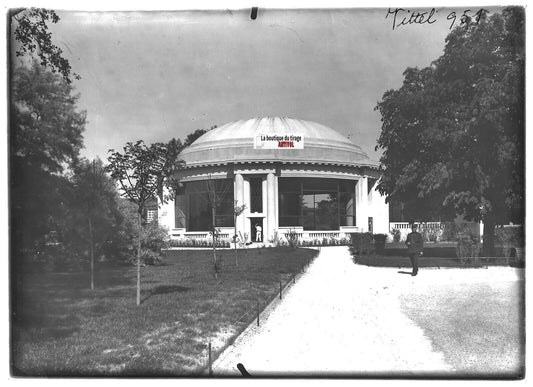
[{"x": 415, "y": 243}]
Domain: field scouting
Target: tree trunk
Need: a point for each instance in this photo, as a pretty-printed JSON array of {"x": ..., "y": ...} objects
[
  {"x": 213, "y": 213},
  {"x": 488, "y": 236},
  {"x": 91, "y": 250},
  {"x": 139, "y": 217}
]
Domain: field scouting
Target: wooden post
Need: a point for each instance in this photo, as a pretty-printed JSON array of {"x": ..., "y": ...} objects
[
  {"x": 210, "y": 365},
  {"x": 280, "y": 290},
  {"x": 257, "y": 313}
]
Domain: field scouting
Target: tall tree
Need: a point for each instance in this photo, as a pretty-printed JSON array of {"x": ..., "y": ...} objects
[
  {"x": 142, "y": 173},
  {"x": 93, "y": 209},
  {"x": 45, "y": 131},
  {"x": 453, "y": 134},
  {"x": 30, "y": 32},
  {"x": 192, "y": 137}
]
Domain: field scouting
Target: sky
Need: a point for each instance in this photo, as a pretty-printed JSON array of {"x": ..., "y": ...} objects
[{"x": 161, "y": 75}]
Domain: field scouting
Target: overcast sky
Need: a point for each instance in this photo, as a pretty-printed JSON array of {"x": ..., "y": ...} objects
[{"x": 159, "y": 75}]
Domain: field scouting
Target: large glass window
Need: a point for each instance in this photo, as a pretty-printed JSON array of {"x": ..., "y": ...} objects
[
  {"x": 316, "y": 204},
  {"x": 289, "y": 200},
  {"x": 347, "y": 202},
  {"x": 180, "y": 208},
  {"x": 256, "y": 194},
  {"x": 194, "y": 203}
]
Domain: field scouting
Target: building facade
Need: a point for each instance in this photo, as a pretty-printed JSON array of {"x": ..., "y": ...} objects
[{"x": 291, "y": 175}]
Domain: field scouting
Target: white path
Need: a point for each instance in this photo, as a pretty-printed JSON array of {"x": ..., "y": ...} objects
[{"x": 342, "y": 318}]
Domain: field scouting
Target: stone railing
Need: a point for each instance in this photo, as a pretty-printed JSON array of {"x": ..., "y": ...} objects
[
  {"x": 198, "y": 235},
  {"x": 316, "y": 235},
  {"x": 421, "y": 225},
  {"x": 322, "y": 234},
  {"x": 399, "y": 226}
]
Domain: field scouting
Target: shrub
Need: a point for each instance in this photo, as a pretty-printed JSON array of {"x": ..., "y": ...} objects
[
  {"x": 509, "y": 238},
  {"x": 454, "y": 231},
  {"x": 448, "y": 231},
  {"x": 363, "y": 243},
  {"x": 396, "y": 235},
  {"x": 432, "y": 235},
  {"x": 274, "y": 239},
  {"x": 150, "y": 258},
  {"x": 468, "y": 246},
  {"x": 292, "y": 238},
  {"x": 154, "y": 238},
  {"x": 379, "y": 242}
]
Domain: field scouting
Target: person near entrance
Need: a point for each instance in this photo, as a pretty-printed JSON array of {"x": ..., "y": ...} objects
[
  {"x": 415, "y": 247},
  {"x": 258, "y": 230}
]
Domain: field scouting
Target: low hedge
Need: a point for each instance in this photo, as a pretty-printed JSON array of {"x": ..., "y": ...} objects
[
  {"x": 512, "y": 236},
  {"x": 440, "y": 252},
  {"x": 365, "y": 243}
]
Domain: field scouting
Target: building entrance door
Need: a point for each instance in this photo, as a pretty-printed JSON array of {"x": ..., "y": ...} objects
[{"x": 256, "y": 227}]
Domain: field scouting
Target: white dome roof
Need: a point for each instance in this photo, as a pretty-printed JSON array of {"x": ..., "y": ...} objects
[{"x": 234, "y": 143}]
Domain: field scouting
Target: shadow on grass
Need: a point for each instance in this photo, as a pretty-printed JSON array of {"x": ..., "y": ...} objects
[
  {"x": 50, "y": 305},
  {"x": 165, "y": 289},
  {"x": 428, "y": 261},
  {"x": 48, "y": 327}
]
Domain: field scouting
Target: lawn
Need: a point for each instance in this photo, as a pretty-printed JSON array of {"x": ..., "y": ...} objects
[
  {"x": 478, "y": 327},
  {"x": 442, "y": 256},
  {"x": 61, "y": 327}
]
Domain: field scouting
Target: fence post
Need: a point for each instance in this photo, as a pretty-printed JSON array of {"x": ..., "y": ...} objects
[
  {"x": 280, "y": 290},
  {"x": 210, "y": 365},
  {"x": 257, "y": 312}
]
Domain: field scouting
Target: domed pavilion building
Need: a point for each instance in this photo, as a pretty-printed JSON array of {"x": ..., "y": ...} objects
[{"x": 290, "y": 174}]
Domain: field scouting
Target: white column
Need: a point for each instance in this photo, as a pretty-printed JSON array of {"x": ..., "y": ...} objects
[
  {"x": 239, "y": 198},
  {"x": 247, "y": 229},
  {"x": 276, "y": 201},
  {"x": 379, "y": 210},
  {"x": 361, "y": 204},
  {"x": 165, "y": 212},
  {"x": 271, "y": 222}
]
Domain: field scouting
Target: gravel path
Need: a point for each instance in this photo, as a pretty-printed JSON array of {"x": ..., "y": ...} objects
[
  {"x": 339, "y": 318},
  {"x": 346, "y": 319}
]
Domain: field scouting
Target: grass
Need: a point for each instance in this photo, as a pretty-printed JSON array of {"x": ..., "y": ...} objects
[
  {"x": 425, "y": 261},
  {"x": 60, "y": 327},
  {"x": 431, "y": 258},
  {"x": 478, "y": 327}
]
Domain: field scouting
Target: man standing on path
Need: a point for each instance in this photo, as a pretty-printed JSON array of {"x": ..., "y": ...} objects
[{"x": 415, "y": 247}]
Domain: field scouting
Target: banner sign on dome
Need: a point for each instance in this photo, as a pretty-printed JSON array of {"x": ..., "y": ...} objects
[{"x": 279, "y": 141}]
